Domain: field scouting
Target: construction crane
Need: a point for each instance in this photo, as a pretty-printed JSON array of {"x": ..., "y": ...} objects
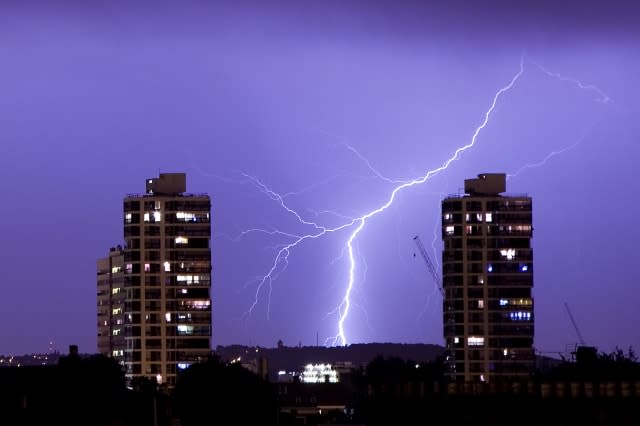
[
  {"x": 429, "y": 263},
  {"x": 575, "y": 325},
  {"x": 449, "y": 317}
]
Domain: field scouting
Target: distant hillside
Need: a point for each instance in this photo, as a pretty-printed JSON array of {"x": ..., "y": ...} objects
[{"x": 293, "y": 358}]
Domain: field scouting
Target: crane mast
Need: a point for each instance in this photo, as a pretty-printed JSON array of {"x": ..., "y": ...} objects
[
  {"x": 448, "y": 308},
  {"x": 575, "y": 325},
  {"x": 429, "y": 263}
]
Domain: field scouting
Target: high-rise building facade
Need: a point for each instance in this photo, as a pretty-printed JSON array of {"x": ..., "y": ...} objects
[
  {"x": 487, "y": 267},
  {"x": 163, "y": 311},
  {"x": 111, "y": 304}
]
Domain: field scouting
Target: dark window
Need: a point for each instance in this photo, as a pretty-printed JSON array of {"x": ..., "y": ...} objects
[
  {"x": 153, "y": 343},
  {"x": 451, "y": 206},
  {"x": 130, "y": 206},
  {"x": 131, "y": 231},
  {"x": 473, "y": 206}
]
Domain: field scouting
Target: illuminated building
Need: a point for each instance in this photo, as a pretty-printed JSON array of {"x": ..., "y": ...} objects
[
  {"x": 317, "y": 373},
  {"x": 163, "y": 274},
  {"x": 111, "y": 304},
  {"x": 487, "y": 267}
]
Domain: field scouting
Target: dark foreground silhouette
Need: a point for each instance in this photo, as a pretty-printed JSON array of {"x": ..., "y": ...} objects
[{"x": 598, "y": 389}]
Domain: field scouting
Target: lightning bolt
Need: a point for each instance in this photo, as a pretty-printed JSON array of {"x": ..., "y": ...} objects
[
  {"x": 281, "y": 259},
  {"x": 604, "y": 98},
  {"x": 357, "y": 224},
  {"x": 373, "y": 169},
  {"x": 552, "y": 154},
  {"x": 548, "y": 157},
  {"x": 362, "y": 220}
]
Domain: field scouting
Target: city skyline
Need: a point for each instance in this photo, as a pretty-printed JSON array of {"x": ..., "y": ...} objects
[{"x": 324, "y": 105}]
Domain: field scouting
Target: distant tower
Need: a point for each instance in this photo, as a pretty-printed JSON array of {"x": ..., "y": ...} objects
[
  {"x": 487, "y": 267},
  {"x": 163, "y": 275}
]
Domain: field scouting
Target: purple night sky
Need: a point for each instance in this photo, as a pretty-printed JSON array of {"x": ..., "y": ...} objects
[{"x": 96, "y": 98}]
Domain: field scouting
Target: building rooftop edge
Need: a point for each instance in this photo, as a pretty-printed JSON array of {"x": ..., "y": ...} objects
[
  {"x": 501, "y": 195},
  {"x": 182, "y": 194}
]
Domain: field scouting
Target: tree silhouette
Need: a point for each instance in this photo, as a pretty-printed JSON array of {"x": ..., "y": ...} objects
[
  {"x": 217, "y": 393},
  {"x": 604, "y": 367}
]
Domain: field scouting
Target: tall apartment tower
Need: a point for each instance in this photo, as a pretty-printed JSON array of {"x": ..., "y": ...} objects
[
  {"x": 111, "y": 304},
  {"x": 487, "y": 266},
  {"x": 158, "y": 320}
]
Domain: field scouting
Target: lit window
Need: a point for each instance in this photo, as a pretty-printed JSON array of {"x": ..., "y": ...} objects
[
  {"x": 520, "y": 316},
  {"x": 480, "y": 304},
  {"x": 116, "y": 332},
  {"x": 510, "y": 254},
  {"x": 480, "y": 279},
  {"x": 127, "y": 217},
  {"x": 469, "y": 229},
  {"x": 156, "y": 216},
  {"x": 490, "y": 268},
  {"x": 456, "y": 340},
  {"x": 183, "y": 365},
  {"x": 182, "y": 240},
  {"x": 115, "y": 290},
  {"x": 504, "y": 302},
  {"x": 146, "y": 217},
  {"x": 479, "y": 217},
  {"x": 167, "y": 267},
  {"x": 185, "y": 329},
  {"x": 157, "y": 205},
  {"x": 167, "y": 316},
  {"x": 475, "y": 341},
  {"x": 147, "y": 267},
  {"x": 129, "y": 268},
  {"x": 449, "y": 230},
  {"x": 447, "y": 216},
  {"x": 186, "y": 217},
  {"x": 116, "y": 269},
  {"x": 489, "y": 217},
  {"x": 505, "y": 352},
  {"x": 198, "y": 304},
  {"x": 184, "y": 291},
  {"x": 524, "y": 268},
  {"x": 467, "y": 217},
  {"x": 319, "y": 373}
]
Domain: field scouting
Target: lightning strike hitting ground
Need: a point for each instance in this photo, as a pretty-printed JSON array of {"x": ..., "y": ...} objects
[
  {"x": 346, "y": 301},
  {"x": 281, "y": 259}
]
